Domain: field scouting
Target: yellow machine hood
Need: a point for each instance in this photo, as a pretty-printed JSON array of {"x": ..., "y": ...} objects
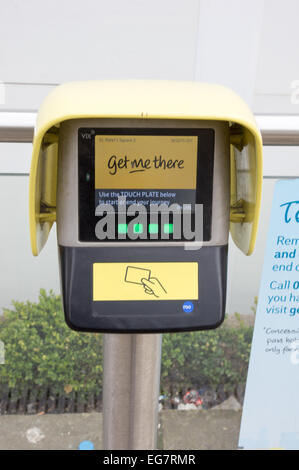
[{"x": 148, "y": 100}]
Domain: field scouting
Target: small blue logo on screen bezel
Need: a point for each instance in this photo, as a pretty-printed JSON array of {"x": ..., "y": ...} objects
[{"x": 188, "y": 307}]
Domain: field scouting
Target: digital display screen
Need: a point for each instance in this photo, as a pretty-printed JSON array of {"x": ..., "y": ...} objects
[
  {"x": 153, "y": 168},
  {"x": 146, "y": 169}
]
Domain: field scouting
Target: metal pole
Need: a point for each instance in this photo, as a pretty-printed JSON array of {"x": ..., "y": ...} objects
[{"x": 131, "y": 391}]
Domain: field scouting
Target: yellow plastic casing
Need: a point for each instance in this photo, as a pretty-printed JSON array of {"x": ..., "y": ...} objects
[{"x": 132, "y": 99}]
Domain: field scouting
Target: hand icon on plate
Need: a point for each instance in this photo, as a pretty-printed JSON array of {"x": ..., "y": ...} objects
[{"x": 153, "y": 286}]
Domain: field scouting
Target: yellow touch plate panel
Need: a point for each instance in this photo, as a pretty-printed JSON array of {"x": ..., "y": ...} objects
[{"x": 145, "y": 281}]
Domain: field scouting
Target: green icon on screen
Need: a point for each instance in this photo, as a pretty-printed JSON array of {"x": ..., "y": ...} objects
[
  {"x": 153, "y": 228},
  {"x": 138, "y": 228},
  {"x": 168, "y": 228},
  {"x": 122, "y": 228}
]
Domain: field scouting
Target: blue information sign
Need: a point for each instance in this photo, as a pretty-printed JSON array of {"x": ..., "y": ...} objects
[{"x": 271, "y": 408}]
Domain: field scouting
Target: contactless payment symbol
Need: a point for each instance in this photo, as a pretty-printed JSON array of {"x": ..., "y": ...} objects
[
  {"x": 151, "y": 285},
  {"x": 188, "y": 307}
]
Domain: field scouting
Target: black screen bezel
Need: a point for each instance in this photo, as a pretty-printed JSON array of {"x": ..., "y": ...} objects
[{"x": 86, "y": 164}]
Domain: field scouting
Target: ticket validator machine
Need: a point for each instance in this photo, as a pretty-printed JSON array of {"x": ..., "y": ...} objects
[{"x": 104, "y": 149}]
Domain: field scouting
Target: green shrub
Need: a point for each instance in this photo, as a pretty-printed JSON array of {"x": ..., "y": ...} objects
[
  {"x": 42, "y": 352},
  {"x": 209, "y": 358}
]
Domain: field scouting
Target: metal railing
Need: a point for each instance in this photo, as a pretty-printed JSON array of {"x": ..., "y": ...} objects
[
  {"x": 17, "y": 127},
  {"x": 276, "y": 129}
]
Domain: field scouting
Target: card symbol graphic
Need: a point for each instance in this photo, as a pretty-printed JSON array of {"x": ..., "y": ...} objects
[
  {"x": 135, "y": 275},
  {"x": 142, "y": 276}
]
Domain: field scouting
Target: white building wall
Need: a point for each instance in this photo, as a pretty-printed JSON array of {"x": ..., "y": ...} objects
[
  {"x": 22, "y": 275},
  {"x": 251, "y": 46}
]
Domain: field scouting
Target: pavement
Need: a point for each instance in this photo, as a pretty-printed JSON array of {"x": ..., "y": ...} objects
[
  {"x": 200, "y": 429},
  {"x": 49, "y": 431},
  {"x": 179, "y": 430}
]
